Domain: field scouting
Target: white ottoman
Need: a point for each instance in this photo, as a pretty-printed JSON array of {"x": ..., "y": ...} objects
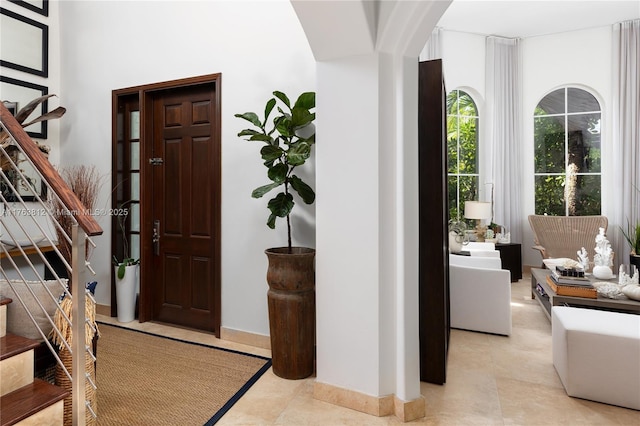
[{"x": 597, "y": 354}]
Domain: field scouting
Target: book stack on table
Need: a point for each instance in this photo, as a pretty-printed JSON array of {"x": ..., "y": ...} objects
[{"x": 571, "y": 282}]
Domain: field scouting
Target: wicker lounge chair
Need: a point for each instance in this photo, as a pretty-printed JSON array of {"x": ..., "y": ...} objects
[{"x": 564, "y": 236}]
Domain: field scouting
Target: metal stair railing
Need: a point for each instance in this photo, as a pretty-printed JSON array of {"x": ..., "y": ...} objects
[{"x": 19, "y": 226}]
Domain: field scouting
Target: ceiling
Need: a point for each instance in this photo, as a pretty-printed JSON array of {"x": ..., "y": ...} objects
[{"x": 529, "y": 18}]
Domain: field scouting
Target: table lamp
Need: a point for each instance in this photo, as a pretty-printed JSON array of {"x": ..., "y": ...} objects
[{"x": 478, "y": 210}]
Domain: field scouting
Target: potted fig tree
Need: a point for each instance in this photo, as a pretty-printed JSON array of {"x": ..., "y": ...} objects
[{"x": 286, "y": 141}]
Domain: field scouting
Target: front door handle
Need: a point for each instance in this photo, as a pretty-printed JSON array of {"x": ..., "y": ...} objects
[{"x": 155, "y": 238}]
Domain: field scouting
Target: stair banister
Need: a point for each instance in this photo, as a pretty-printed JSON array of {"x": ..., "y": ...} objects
[
  {"x": 85, "y": 226},
  {"x": 78, "y": 327},
  {"x": 40, "y": 162}
]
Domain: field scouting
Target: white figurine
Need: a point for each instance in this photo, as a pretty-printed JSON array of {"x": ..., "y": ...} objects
[
  {"x": 624, "y": 279},
  {"x": 583, "y": 257},
  {"x": 603, "y": 260}
]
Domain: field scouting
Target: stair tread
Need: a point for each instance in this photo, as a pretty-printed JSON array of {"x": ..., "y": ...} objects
[
  {"x": 12, "y": 345},
  {"x": 28, "y": 400},
  {"x": 5, "y": 300}
]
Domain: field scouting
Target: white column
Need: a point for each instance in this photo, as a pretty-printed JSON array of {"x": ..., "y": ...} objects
[
  {"x": 367, "y": 203},
  {"x": 347, "y": 219},
  {"x": 407, "y": 327}
]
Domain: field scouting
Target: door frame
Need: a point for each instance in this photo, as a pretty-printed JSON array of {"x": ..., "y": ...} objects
[{"x": 145, "y": 95}]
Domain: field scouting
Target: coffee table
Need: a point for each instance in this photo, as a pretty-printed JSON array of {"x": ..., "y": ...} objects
[{"x": 546, "y": 297}]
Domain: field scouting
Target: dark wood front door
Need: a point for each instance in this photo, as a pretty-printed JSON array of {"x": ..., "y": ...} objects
[{"x": 185, "y": 211}]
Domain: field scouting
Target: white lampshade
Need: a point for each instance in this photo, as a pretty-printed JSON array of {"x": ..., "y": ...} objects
[{"x": 477, "y": 210}]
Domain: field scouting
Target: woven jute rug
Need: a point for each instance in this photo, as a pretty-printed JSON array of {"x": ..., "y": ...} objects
[{"x": 145, "y": 379}]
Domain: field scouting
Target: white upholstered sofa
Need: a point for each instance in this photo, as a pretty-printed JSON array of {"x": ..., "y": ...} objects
[
  {"x": 480, "y": 294},
  {"x": 481, "y": 249}
]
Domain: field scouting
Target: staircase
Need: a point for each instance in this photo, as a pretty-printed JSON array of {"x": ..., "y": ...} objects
[{"x": 23, "y": 399}]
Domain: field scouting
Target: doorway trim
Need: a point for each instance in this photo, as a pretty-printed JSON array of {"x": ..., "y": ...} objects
[{"x": 144, "y": 95}]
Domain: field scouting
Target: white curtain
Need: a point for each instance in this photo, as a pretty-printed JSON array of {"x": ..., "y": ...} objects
[
  {"x": 626, "y": 131},
  {"x": 433, "y": 48},
  {"x": 504, "y": 129}
]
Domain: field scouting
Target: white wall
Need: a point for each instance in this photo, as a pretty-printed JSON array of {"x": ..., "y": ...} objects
[
  {"x": 464, "y": 63},
  {"x": 257, "y": 46},
  {"x": 578, "y": 58},
  {"x": 52, "y": 82}
]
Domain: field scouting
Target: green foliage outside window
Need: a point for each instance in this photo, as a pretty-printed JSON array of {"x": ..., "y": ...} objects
[
  {"x": 462, "y": 151},
  {"x": 567, "y": 154}
]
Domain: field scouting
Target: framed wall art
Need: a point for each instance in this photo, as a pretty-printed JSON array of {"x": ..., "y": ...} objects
[
  {"x": 26, "y": 185},
  {"x": 24, "y": 44},
  {"x": 38, "y": 6},
  {"x": 11, "y": 106},
  {"x": 21, "y": 93}
]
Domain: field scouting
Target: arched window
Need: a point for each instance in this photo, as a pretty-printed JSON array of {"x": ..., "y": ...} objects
[
  {"x": 462, "y": 151},
  {"x": 567, "y": 153}
]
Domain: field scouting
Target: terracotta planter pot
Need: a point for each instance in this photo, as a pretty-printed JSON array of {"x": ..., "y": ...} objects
[{"x": 292, "y": 311}]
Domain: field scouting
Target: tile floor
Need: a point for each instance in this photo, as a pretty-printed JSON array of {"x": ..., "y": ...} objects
[{"x": 492, "y": 380}]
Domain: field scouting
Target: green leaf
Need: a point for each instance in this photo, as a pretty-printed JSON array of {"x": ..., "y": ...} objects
[
  {"x": 283, "y": 98},
  {"x": 300, "y": 117},
  {"x": 304, "y": 191},
  {"x": 307, "y": 100},
  {"x": 121, "y": 270},
  {"x": 271, "y": 152},
  {"x": 298, "y": 153},
  {"x": 278, "y": 173},
  {"x": 267, "y": 110},
  {"x": 251, "y": 117},
  {"x": 281, "y": 205},
  {"x": 260, "y": 191},
  {"x": 249, "y": 132},
  {"x": 283, "y": 125},
  {"x": 271, "y": 222},
  {"x": 261, "y": 137}
]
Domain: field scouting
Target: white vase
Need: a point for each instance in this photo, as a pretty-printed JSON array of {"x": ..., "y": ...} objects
[
  {"x": 126, "y": 293},
  {"x": 602, "y": 272},
  {"x": 455, "y": 246}
]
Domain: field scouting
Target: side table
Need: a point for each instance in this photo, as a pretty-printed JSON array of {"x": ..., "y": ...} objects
[{"x": 511, "y": 256}]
